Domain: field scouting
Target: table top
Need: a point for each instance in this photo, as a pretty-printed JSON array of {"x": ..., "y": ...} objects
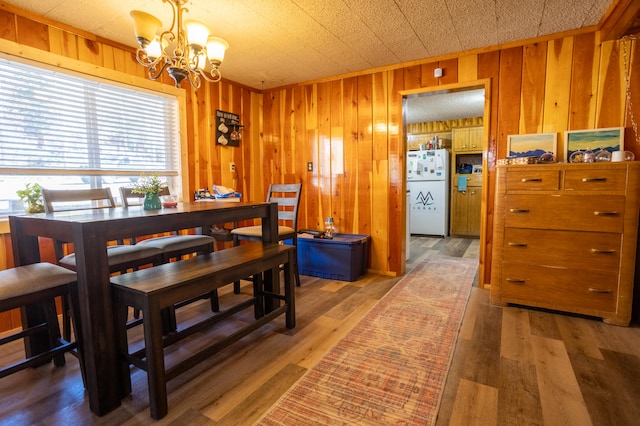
[
  {"x": 120, "y": 222},
  {"x": 101, "y": 214}
]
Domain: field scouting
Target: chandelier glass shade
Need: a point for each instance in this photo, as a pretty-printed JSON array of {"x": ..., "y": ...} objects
[{"x": 186, "y": 50}]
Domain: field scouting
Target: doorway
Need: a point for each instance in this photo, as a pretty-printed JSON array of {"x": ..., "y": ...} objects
[{"x": 450, "y": 103}]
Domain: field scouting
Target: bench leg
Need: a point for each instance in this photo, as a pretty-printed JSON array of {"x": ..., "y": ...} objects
[
  {"x": 289, "y": 291},
  {"x": 54, "y": 330},
  {"x": 270, "y": 276},
  {"x": 121, "y": 311},
  {"x": 74, "y": 302},
  {"x": 215, "y": 301},
  {"x": 169, "y": 322},
  {"x": 258, "y": 296},
  {"x": 155, "y": 362}
]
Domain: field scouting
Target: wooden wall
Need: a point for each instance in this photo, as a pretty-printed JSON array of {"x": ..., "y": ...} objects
[{"x": 350, "y": 127}]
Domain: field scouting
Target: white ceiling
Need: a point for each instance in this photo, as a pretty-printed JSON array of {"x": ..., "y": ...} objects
[
  {"x": 441, "y": 106},
  {"x": 280, "y": 42}
]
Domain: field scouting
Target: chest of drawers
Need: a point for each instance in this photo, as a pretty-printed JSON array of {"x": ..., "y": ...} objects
[{"x": 565, "y": 238}]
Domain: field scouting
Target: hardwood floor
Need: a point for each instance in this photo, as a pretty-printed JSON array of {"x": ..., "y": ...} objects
[{"x": 511, "y": 365}]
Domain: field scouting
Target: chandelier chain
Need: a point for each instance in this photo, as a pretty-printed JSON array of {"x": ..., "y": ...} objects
[{"x": 629, "y": 39}]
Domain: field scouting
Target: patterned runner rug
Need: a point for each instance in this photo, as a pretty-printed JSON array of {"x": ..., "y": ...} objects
[{"x": 392, "y": 366}]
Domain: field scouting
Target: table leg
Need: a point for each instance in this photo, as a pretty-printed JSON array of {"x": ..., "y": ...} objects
[
  {"x": 272, "y": 276},
  {"x": 99, "y": 344}
]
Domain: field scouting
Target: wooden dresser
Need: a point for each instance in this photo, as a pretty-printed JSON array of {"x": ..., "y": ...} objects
[{"x": 565, "y": 237}]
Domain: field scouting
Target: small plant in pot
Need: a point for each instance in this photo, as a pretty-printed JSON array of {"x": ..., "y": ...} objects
[
  {"x": 31, "y": 195},
  {"x": 149, "y": 186}
]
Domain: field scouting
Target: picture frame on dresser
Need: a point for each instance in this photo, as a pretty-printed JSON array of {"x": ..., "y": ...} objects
[
  {"x": 607, "y": 139},
  {"x": 532, "y": 145}
]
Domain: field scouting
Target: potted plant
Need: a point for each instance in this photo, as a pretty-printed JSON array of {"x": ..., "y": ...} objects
[
  {"x": 31, "y": 195},
  {"x": 149, "y": 186}
]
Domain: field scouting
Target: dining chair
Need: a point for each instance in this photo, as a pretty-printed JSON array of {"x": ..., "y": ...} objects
[
  {"x": 39, "y": 284},
  {"x": 173, "y": 246},
  {"x": 120, "y": 257},
  {"x": 287, "y": 196}
]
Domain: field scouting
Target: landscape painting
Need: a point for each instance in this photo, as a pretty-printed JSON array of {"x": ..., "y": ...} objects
[
  {"x": 532, "y": 145},
  {"x": 596, "y": 140}
]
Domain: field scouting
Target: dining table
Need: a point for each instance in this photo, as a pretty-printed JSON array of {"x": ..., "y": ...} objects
[{"x": 90, "y": 230}]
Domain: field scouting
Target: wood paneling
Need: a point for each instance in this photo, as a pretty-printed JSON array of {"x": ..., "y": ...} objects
[
  {"x": 364, "y": 167},
  {"x": 32, "y": 33},
  {"x": 7, "y": 25},
  {"x": 347, "y": 191},
  {"x": 611, "y": 90},
  {"x": 586, "y": 61},
  {"x": 397, "y": 185},
  {"x": 489, "y": 67},
  {"x": 350, "y": 129},
  {"x": 557, "y": 89},
  {"x": 534, "y": 61}
]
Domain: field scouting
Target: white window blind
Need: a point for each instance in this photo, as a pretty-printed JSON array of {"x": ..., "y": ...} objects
[
  {"x": 52, "y": 120},
  {"x": 66, "y": 131}
]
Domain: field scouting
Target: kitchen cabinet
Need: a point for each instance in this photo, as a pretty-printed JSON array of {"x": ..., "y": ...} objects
[
  {"x": 466, "y": 139},
  {"x": 565, "y": 237},
  {"x": 466, "y": 206}
]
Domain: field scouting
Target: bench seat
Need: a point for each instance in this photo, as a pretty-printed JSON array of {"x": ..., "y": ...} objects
[{"x": 154, "y": 289}]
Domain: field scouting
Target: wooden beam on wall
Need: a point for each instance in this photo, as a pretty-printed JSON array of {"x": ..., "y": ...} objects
[{"x": 622, "y": 19}]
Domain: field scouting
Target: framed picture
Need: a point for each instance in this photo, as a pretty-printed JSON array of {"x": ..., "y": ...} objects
[
  {"x": 532, "y": 145},
  {"x": 609, "y": 139}
]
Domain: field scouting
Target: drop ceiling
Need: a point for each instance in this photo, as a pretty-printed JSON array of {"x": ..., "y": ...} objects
[
  {"x": 275, "y": 43},
  {"x": 441, "y": 106}
]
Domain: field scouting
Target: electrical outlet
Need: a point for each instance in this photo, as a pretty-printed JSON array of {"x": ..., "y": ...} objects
[
  {"x": 309, "y": 166},
  {"x": 233, "y": 167}
]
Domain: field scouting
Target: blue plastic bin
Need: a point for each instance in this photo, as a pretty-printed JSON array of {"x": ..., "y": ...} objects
[{"x": 342, "y": 258}]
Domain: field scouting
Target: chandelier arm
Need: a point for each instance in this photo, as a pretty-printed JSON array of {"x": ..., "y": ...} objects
[
  {"x": 154, "y": 74},
  {"x": 144, "y": 59},
  {"x": 194, "y": 79},
  {"x": 213, "y": 76}
]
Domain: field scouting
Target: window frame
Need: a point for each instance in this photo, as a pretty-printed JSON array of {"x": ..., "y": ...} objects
[{"x": 35, "y": 57}]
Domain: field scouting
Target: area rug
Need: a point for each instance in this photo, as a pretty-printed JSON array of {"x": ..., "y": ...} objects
[{"x": 390, "y": 369}]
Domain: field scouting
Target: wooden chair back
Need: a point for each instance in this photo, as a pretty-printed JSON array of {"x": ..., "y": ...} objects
[
  {"x": 287, "y": 196},
  {"x": 76, "y": 199},
  {"x": 56, "y": 200}
]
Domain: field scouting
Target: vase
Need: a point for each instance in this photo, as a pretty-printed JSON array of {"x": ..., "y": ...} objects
[
  {"x": 152, "y": 201},
  {"x": 34, "y": 207}
]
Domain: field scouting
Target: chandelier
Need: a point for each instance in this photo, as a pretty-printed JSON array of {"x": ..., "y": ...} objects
[{"x": 186, "y": 50}]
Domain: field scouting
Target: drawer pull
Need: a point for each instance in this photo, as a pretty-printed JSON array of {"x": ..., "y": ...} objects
[
  {"x": 517, "y": 244},
  {"x": 519, "y": 210},
  {"x": 526, "y": 180},
  {"x": 598, "y": 290},
  {"x": 606, "y": 213},
  {"x": 515, "y": 280},
  {"x": 598, "y": 251},
  {"x": 594, "y": 179}
]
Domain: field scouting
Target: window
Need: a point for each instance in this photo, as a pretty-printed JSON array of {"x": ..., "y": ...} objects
[{"x": 65, "y": 131}]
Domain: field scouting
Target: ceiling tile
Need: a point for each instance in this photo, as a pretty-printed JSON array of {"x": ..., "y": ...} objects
[{"x": 281, "y": 42}]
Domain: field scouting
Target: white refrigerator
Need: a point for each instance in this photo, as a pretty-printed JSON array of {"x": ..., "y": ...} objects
[{"x": 428, "y": 182}]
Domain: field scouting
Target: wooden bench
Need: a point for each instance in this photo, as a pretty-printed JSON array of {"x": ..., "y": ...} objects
[{"x": 153, "y": 289}]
